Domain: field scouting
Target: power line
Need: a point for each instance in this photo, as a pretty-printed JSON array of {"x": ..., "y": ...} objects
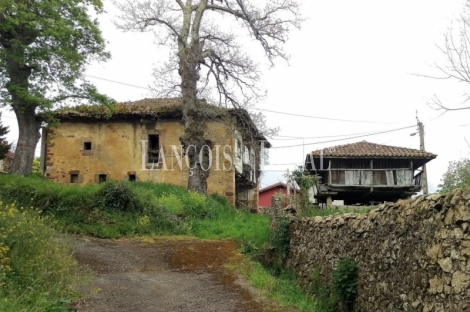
[
  {"x": 319, "y": 137},
  {"x": 264, "y": 110},
  {"x": 274, "y": 170},
  {"x": 291, "y": 164},
  {"x": 355, "y": 137},
  {"x": 118, "y": 82},
  {"x": 326, "y": 118}
]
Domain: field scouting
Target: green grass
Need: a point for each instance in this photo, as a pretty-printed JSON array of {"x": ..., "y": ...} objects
[
  {"x": 37, "y": 269},
  {"x": 159, "y": 209},
  {"x": 124, "y": 209},
  {"x": 226, "y": 222},
  {"x": 283, "y": 289}
]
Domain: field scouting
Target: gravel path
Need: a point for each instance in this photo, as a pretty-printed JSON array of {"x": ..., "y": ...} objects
[{"x": 164, "y": 275}]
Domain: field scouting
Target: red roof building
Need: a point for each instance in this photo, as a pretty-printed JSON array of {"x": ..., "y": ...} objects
[{"x": 266, "y": 193}]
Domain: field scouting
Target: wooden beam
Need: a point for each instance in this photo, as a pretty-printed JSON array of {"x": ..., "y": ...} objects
[
  {"x": 329, "y": 171},
  {"x": 367, "y": 186},
  {"x": 368, "y": 157},
  {"x": 342, "y": 169}
]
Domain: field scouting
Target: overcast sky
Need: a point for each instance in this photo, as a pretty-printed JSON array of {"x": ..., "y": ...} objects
[{"x": 352, "y": 60}]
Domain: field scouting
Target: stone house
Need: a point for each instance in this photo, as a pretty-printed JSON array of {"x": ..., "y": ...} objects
[{"x": 139, "y": 141}]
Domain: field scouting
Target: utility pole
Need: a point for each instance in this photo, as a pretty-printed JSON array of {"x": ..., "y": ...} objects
[{"x": 424, "y": 176}]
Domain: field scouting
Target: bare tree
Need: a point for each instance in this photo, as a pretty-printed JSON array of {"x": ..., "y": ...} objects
[
  {"x": 457, "y": 53},
  {"x": 207, "y": 57}
]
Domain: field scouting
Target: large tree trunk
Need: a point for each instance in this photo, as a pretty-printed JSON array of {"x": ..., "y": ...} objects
[
  {"x": 28, "y": 137},
  {"x": 28, "y": 125},
  {"x": 194, "y": 125}
]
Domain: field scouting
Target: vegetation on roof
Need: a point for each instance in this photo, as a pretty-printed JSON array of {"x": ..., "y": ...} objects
[
  {"x": 157, "y": 108},
  {"x": 147, "y": 107}
]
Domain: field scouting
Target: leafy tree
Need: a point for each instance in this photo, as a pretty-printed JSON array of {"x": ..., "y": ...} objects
[
  {"x": 44, "y": 46},
  {"x": 207, "y": 55},
  {"x": 457, "y": 176},
  {"x": 305, "y": 181},
  {"x": 4, "y": 147}
]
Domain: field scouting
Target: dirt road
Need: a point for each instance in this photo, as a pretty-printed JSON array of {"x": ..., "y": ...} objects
[{"x": 164, "y": 275}]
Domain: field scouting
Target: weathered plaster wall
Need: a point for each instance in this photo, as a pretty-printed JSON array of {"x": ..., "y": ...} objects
[
  {"x": 413, "y": 255},
  {"x": 117, "y": 152}
]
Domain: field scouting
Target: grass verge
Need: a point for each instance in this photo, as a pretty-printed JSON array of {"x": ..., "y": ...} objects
[
  {"x": 283, "y": 289},
  {"x": 37, "y": 269},
  {"x": 124, "y": 209}
]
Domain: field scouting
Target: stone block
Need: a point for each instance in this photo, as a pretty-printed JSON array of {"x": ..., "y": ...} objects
[
  {"x": 434, "y": 253},
  {"x": 460, "y": 281},
  {"x": 445, "y": 264},
  {"x": 436, "y": 285}
]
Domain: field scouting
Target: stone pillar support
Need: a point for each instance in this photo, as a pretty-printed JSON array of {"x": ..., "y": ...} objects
[{"x": 329, "y": 202}]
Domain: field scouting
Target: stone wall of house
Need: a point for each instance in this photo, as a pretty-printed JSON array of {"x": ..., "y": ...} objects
[
  {"x": 413, "y": 255},
  {"x": 116, "y": 151}
]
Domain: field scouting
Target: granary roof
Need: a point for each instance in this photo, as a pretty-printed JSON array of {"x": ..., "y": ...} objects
[{"x": 367, "y": 149}]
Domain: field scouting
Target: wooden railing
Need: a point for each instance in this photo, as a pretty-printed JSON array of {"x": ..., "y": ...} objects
[
  {"x": 417, "y": 178},
  {"x": 373, "y": 177}
]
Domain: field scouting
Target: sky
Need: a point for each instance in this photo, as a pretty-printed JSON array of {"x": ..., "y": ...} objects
[{"x": 357, "y": 63}]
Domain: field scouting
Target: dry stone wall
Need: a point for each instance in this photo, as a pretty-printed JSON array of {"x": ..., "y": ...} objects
[{"x": 413, "y": 255}]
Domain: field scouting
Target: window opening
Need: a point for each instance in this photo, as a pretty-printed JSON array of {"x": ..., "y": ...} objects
[
  {"x": 246, "y": 155},
  {"x": 87, "y": 146},
  {"x": 74, "y": 178},
  {"x": 154, "y": 146},
  {"x": 102, "y": 178}
]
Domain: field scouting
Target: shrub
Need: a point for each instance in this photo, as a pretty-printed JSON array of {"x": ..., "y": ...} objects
[
  {"x": 279, "y": 239},
  {"x": 324, "y": 300},
  {"x": 195, "y": 205},
  {"x": 36, "y": 267},
  {"x": 117, "y": 196},
  {"x": 344, "y": 281},
  {"x": 171, "y": 203}
]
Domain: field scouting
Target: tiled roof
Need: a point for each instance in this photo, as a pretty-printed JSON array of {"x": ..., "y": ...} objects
[
  {"x": 155, "y": 108},
  {"x": 161, "y": 107},
  {"x": 278, "y": 184},
  {"x": 145, "y": 107},
  {"x": 367, "y": 149}
]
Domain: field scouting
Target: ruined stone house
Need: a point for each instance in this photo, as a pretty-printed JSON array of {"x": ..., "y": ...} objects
[{"x": 139, "y": 141}]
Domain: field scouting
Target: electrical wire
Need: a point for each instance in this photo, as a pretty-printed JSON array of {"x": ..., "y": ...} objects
[
  {"x": 319, "y": 137},
  {"x": 260, "y": 109},
  {"x": 354, "y": 137},
  {"x": 118, "y": 82},
  {"x": 291, "y": 164},
  {"x": 326, "y": 118}
]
